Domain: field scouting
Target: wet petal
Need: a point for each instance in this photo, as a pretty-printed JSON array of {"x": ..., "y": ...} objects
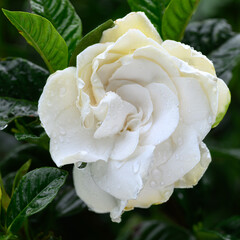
[
  {"x": 134, "y": 20},
  {"x": 189, "y": 55},
  {"x": 70, "y": 142},
  {"x": 192, "y": 177},
  {"x": 96, "y": 199},
  {"x": 123, "y": 180},
  {"x": 165, "y": 116},
  {"x": 116, "y": 110}
]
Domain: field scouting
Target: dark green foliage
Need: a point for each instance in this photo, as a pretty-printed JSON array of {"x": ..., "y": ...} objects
[
  {"x": 154, "y": 9},
  {"x": 62, "y": 15},
  {"x": 216, "y": 39},
  {"x": 35, "y": 191},
  {"x": 176, "y": 17},
  {"x": 21, "y": 79},
  {"x": 91, "y": 38},
  {"x": 11, "y": 109},
  {"x": 41, "y": 34}
]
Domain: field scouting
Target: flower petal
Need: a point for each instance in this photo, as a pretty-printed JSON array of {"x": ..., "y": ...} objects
[
  {"x": 191, "y": 178},
  {"x": 194, "y": 105},
  {"x": 123, "y": 180},
  {"x": 134, "y": 20},
  {"x": 165, "y": 115},
  {"x": 189, "y": 55},
  {"x": 117, "y": 111},
  {"x": 139, "y": 97},
  {"x": 96, "y": 199},
  {"x": 224, "y": 99},
  {"x": 125, "y": 144},
  {"x": 150, "y": 195},
  {"x": 70, "y": 142},
  {"x": 185, "y": 155}
]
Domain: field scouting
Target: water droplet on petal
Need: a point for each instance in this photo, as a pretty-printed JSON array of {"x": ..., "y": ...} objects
[
  {"x": 118, "y": 164},
  {"x": 210, "y": 120},
  {"x": 153, "y": 184},
  {"x": 156, "y": 173},
  {"x": 61, "y": 139},
  {"x": 3, "y": 127},
  {"x": 62, "y": 91},
  {"x": 136, "y": 167},
  {"x": 180, "y": 141},
  {"x": 62, "y": 131}
]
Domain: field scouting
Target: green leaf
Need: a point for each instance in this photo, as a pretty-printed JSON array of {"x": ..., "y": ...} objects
[
  {"x": 5, "y": 199},
  {"x": 216, "y": 39},
  {"x": 20, "y": 173},
  {"x": 34, "y": 192},
  {"x": 176, "y": 17},
  {"x": 62, "y": 15},
  {"x": 19, "y": 154},
  {"x": 158, "y": 230},
  {"x": 68, "y": 203},
  {"x": 207, "y": 35},
  {"x": 91, "y": 38},
  {"x": 42, "y": 140},
  {"x": 154, "y": 10},
  {"x": 21, "y": 79},
  {"x": 9, "y": 237},
  {"x": 226, "y": 58},
  {"x": 41, "y": 34},
  {"x": 11, "y": 109}
]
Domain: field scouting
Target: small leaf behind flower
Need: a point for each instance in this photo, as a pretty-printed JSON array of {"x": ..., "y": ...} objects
[
  {"x": 34, "y": 192},
  {"x": 62, "y": 15},
  {"x": 21, "y": 79},
  {"x": 153, "y": 9},
  {"x": 176, "y": 17},
  {"x": 20, "y": 173},
  {"x": 91, "y": 38},
  {"x": 216, "y": 39},
  {"x": 11, "y": 109},
  {"x": 41, "y": 34}
]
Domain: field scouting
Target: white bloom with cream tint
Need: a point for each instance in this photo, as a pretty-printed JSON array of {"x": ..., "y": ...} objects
[{"x": 136, "y": 110}]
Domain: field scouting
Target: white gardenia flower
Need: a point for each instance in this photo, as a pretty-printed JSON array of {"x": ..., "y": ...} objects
[{"x": 136, "y": 110}]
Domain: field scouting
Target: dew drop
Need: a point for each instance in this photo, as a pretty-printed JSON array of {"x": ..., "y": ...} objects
[
  {"x": 180, "y": 141},
  {"x": 83, "y": 153},
  {"x": 153, "y": 184},
  {"x": 210, "y": 120},
  {"x": 98, "y": 124},
  {"x": 62, "y": 131},
  {"x": 166, "y": 194},
  {"x": 61, "y": 139},
  {"x": 118, "y": 164},
  {"x": 136, "y": 167},
  {"x": 62, "y": 91},
  {"x": 81, "y": 165},
  {"x": 3, "y": 127},
  {"x": 155, "y": 173}
]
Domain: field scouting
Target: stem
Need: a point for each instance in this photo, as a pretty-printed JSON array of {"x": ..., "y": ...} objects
[{"x": 26, "y": 229}]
